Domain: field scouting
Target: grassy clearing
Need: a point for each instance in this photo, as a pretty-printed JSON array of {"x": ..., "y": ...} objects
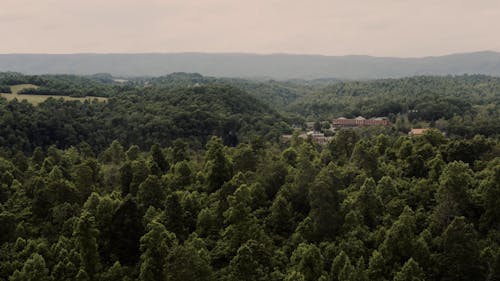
[
  {"x": 16, "y": 88},
  {"x": 36, "y": 99}
]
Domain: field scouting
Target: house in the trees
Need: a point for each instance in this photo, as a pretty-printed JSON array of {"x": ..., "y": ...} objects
[
  {"x": 316, "y": 137},
  {"x": 415, "y": 132},
  {"x": 359, "y": 121}
]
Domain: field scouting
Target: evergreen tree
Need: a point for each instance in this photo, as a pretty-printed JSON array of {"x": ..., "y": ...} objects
[
  {"x": 126, "y": 177},
  {"x": 151, "y": 193},
  {"x": 399, "y": 242},
  {"x": 377, "y": 267},
  {"x": 325, "y": 205},
  {"x": 490, "y": 188},
  {"x": 133, "y": 153},
  {"x": 460, "y": 258},
  {"x": 217, "y": 166},
  {"x": 410, "y": 272},
  {"x": 281, "y": 217},
  {"x": 188, "y": 262},
  {"x": 159, "y": 158},
  {"x": 179, "y": 151},
  {"x": 155, "y": 246},
  {"x": 114, "y": 273},
  {"x": 86, "y": 235},
  {"x": 34, "y": 269},
  {"x": 175, "y": 217},
  {"x": 368, "y": 203},
  {"x": 337, "y": 265},
  {"x": 252, "y": 262},
  {"x": 307, "y": 259},
  {"x": 127, "y": 230},
  {"x": 114, "y": 153},
  {"x": 453, "y": 198}
]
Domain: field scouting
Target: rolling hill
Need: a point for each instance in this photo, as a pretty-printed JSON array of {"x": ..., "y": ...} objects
[{"x": 275, "y": 66}]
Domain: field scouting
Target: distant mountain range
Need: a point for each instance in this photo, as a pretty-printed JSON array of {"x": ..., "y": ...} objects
[{"x": 275, "y": 66}]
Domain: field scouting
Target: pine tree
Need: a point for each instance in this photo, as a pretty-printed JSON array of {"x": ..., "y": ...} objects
[
  {"x": 188, "y": 262},
  {"x": 410, "y": 272},
  {"x": 179, "y": 151},
  {"x": 252, "y": 262},
  {"x": 155, "y": 246},
  {"x": 133, "y": 153},
  {"x": 307, "y": 259},
  {"x": 175, "y": 217},
  {"x": 34, "y": 269},
  {"x": 151, "y": 193},
  {"x": 114, "y": 273},
  {"x": 217, "y": 167},
  {"x": 490, "y": 188},
  {"x": 86, "y": 235},
  {"x": 325, "y": 204},
  {"x": 337, "y": 265},
  {"x": 159, "y": 158},
  {"x": 127, "y": 229},
  {"x": 114, "y": 154},
  {"x": 460, "y": 258},
  {"x": 368, "y": 203},
  {"x": 377, "y": 267},
  {"x": 281, "y": 217},
  {"x": 452, "y": 198},
  {"x": 398, "y": 245}
]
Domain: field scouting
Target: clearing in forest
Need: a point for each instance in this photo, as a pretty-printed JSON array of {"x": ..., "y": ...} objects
[{"x": 36, "y": 99}]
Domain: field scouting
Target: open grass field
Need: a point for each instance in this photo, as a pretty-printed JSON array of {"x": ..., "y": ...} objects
[{"x": 36, "y": 99}]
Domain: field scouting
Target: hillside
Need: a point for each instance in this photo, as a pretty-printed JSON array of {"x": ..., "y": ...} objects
[
  {"x": 183, "y": 177},
  {"x": 276, "y": 66},
  {"x": 141, "y": 116}
]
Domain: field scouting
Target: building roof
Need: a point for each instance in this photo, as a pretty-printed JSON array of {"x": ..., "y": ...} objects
[{"x": 418, "y": 131}]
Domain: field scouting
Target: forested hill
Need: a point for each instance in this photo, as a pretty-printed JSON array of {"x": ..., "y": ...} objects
[
  {"x": 277, "y": 66},
  {"x": 141, "y": 116},
  {"x": 432, "y": 96},
  {"x": 189, "y": 105},
  {"x": 182, "y": 178}
]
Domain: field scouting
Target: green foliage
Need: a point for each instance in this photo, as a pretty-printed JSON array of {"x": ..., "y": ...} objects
[
  {"x": 142, "y": 116},
  {"x": 217, "y": 166},
  {"x": 453, "y": 196},
  {"x": 188, "y": 262},
  {"x": 307, "y": 259},
  {"x": 252, "y": 262},
  {"x": 155, "y": 246},
  {"x": 159, "y": 158},
  {"x": 410, "y": 272},
  {"x": 205, "y": 192},
  {"x": 460, "y": 258},
  {"x": 325, "y": 202},
  {"x": 34, "y": 269},
  {"x": 151, "y": 193},
  {"x": 86, "y": 239},
  {"x": 4, "y": 89}
]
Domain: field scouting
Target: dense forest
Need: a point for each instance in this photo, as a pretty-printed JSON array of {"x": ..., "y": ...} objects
[
  {"x": 184, "y": 177},
  {"x": 141, "y": 116}
]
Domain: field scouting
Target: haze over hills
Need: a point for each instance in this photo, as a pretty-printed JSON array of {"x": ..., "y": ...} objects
[{"x": 276, "y": 66}]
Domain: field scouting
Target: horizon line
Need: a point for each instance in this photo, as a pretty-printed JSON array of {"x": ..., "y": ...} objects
[{"x": 253, "y": 54}]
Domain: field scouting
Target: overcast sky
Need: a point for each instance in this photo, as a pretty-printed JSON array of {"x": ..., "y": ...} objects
[{"x": 404, "y": 28}]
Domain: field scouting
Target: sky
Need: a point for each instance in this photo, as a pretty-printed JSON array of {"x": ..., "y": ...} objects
[{"x": 399, "y": 28}]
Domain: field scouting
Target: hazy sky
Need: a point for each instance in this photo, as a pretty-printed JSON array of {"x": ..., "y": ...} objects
[{"x": 330, "y": 27}]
